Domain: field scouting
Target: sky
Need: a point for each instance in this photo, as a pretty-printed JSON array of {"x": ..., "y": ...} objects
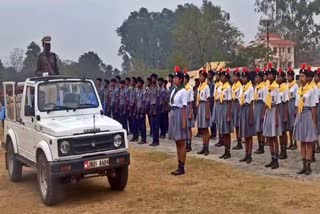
[{"x": 78, "y": 26}]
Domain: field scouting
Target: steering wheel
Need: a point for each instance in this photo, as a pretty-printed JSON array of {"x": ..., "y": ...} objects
[{"x": 48, "y": 105}]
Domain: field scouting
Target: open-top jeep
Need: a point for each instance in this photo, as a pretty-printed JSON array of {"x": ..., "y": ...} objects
[{"x": 57, "y": 126}]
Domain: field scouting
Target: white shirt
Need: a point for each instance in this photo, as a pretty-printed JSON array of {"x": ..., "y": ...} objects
[
  {"x": 310, "y": 99},
  {"x": 261, "y": 93},
  {"x": 315, "y": 94},
  {"x": 227, "y": 94},
  {"x": 190, "y": 95},
  {"x": 180, "y": 99},
  {"x": 204, "y": 94},
  {"x": 293, "y": 91},
  {"x": 237, "y": 92},
  {"x": 284, "y": 96},
  {"x": 275, "y": 96},
  {"x": 248, "y": 95}
]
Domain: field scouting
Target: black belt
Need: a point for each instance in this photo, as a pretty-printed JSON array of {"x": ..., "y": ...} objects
[
  {"x": 188, "y": 102},
  {"x": 174, "y": 108},
  {"x": 306, "y": 108},
  {"x": 246, "y": 104},
  {"x": 259, "y": 101},
  {"x": 201, "y": 101},
  {"x": 293, "y": 98}
]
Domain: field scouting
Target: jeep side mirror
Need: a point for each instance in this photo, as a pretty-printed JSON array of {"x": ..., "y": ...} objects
[{"x": 38, "y": 117}]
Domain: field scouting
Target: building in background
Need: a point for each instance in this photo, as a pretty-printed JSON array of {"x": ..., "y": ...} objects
[{"x": 283, "y": 49}]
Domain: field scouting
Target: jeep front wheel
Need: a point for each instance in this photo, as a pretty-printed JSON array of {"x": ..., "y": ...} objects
[
  {"x": 118, "y": 178},
  {"x": 47, "y": 185},
  {"x": 14, "y": 165}
]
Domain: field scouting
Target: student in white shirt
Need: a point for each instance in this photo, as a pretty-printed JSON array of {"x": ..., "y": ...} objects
[
  {"x": 178, "y": 121},
  {"x": 225, "y": 125},
  {"x": 284, "y": 112},
  {"x": 203, "y": 111},
  {"x": 305, "y": 125},
  {"x": 271, "y": 124},
  {"x": 259, "y": 96},
  {"x": 190, "y": 118},
  {"x": 246, "y": 126},
  {"x": 293, "y": 88}
]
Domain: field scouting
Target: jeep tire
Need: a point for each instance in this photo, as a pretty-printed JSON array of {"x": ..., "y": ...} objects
[
  {"x": 48, "y": 186},
  {"x": 118, "y": 181},
  {"x": 14, "y": 165}
]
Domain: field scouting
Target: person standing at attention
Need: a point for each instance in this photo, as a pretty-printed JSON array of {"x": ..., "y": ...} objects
[
  {"x": 190, "y": 119},
  {"x": 203, "y": 114},
  {"x": 47, "y": 61},
  {"x": 211, "y": 84},
  {"x": 178, "y": 121}
]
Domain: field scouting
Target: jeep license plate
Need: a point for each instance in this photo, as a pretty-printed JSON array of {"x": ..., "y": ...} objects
[{"x": 96, "y": 163}]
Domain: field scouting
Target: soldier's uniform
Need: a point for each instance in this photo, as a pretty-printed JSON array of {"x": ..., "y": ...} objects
[
  {"x": 47, "y": 62},
  {"x": 122, "y": 108},
  {"x": 155, "y": 113},
  {"x": 114, "y": 94},
  {"x": 148, "y": 106},
  {"x": 163, "y": 98},
  {"x": 132, "y": 114},
  {"x": 141, "y": 114}
]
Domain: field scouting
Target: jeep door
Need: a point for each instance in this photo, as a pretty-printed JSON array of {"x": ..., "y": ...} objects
[{"x": 28, "y": 122}]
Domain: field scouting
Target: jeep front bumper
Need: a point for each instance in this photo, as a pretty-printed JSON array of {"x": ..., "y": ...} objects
[{"x": 77, "y": 167}]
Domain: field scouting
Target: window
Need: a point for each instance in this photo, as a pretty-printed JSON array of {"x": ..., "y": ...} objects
[
  {"x": 275, "y": 50},
  {"x": 29, "y": 102},
  {"x": 289, "y": 50}
]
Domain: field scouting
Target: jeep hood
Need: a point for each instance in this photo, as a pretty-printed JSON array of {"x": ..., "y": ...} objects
[{"x": 79, "y": 124}]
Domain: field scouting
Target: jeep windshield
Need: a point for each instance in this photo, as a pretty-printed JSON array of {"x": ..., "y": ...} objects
[{"x": 66, "y": 95}]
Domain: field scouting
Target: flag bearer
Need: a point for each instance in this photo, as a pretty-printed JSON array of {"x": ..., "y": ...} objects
[
  {"x": 305, "y": 124},
  {"x": 246, "y": 126}
]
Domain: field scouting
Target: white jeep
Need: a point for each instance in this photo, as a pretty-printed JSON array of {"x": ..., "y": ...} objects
[{"x": 56, "y": 125}]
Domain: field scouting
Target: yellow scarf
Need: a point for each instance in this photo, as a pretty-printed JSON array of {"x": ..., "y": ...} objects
[
  {"x": 267, "y": 83},
  {"x": 201, "y": 88},
  {"x": 301, "y": 92},
  {"x": 218, "y": 85},
  {"x": 312, "y": 84},
  {"x": 318, "y": 85},
  {"x": 235, "y": 87},
  {"x": 283, "y": 87},
  {"x": 290, "y": 84},
  {"x": 226, "y": 85},
  {"x": 271, "y": 87},
  {"x": 245, "y": 88},
  {"x": 187, "y": 86},
  {"x": 258, "y": 87}
]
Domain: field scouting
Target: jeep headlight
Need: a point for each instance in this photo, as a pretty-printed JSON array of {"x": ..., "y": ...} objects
[
  {"x": 65, "y": 147},
  {"x": 117, "y": 141}
]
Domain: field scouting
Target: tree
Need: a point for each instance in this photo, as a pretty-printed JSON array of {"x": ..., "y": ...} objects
[
  {"x": 205, "y": 34},
  {"x": 126, "y": 64},
  {"x": 16, "y": 59},
  {"x": 30, "y": 62},
  {"x": 294, "y": 20},
  {"x": 89, "y": 65}
]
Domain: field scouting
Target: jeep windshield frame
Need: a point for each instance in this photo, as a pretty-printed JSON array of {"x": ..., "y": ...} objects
[{"x": 66, "y": 95}]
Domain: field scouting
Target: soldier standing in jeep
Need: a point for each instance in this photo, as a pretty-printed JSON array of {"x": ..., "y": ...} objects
[{"x": 47, "y": 61}]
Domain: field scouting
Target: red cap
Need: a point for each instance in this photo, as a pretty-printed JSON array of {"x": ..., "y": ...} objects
[
  {"x": 244, "y": 69},
  {"x": 204, "y": 70},
  {"x": 290, "y": 69},
  {"x": 280, "y": 70},
  {"x": 270, "y": 65},
  {"x": 257, "y": 70},
  {"x": 309, "y": 68},
  {"x": 228, "y": 70},
  {"x": 177, "y": 69},
  {"x": 237, "y": 70},
  {"x": 303, "y": 66}
]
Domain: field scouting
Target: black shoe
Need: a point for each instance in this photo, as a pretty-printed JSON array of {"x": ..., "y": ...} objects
[
  {"x": 206, "y": 151},
  {"x": 219, "y": 144},
  {"x": 213, "y": 137},
  {"x": 202, "y": 151},
  {"x": 260, "y": 150},
  {"x": 249, "y": 159},
  {"x": 303, "y": 170},
  {"x": 283, "y": 155},
  {"x": 228, "y": 155},
  {"x": 178, "y": 172},
  {"x": 269, "y": 164},
  {"x": 244, "y": 159},
  {"x": 142, "y": 142},
  {"x": 154, "y": 144},
  {"x": 308, "y": 168},
  {"x": 275, "y": 164},
  {"x": 188, "y": 146},
  {"x": 238, "y": 146},
  {"x": 134, "y": 139},
  {"x": 222, "y": 156}
]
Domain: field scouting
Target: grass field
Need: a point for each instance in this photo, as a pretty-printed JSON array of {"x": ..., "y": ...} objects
[{"x": 208, "y": 187}]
